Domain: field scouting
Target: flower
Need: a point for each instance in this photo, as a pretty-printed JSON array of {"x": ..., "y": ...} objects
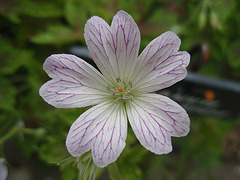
[{"x": 122, "y": 91}]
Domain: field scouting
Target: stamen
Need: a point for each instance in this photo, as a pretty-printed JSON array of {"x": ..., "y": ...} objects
[
  {"x": 115, "y": 101},
  {"x": 108, "y": 88},
  {"x": 131, "y": 97},
  {"x": 118, "y": 79},
  {"x": 127, "y": 93},
  {"x": 124, "y": 82},
  {"x": 114, "y": 94},
  {"x": 130, "y": 84},
  {"x": 126, "y": 98}
]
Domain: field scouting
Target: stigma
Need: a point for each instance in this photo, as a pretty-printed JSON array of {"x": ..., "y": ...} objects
[{"x": 120, "y": 89}]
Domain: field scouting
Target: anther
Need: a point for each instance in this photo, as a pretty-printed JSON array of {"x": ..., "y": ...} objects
[
  {"x": 108, "y": 88},
  {"x": 128, "y": 92},
  {"x": 130, "y": 84},
  {"x": 124, "y": 82},
  {"x": 131, "y": 97},
  {"x": 126, "y": 98},
  {"x": 118, "y": 79}
]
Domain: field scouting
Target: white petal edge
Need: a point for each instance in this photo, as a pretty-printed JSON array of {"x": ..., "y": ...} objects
[
  {"x": 154, "y": 119},
  {"x": 102, "y": 129},
  {"x": 75, "y": 83}
]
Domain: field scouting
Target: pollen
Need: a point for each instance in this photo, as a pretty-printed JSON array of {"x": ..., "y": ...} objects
[{"x": 120, "y": 89}]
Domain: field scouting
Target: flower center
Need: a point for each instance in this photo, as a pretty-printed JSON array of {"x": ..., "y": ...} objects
[{"x": 121, "y": 90}]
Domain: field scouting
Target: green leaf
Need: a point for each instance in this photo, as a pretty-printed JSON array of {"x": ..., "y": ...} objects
[
  {"x": 68, "y": 172},
  {"x": 202, "y": 19},
  {"x": 41, "y": 9},
  {"x": 75, "y": 12},
  {"x": 215, "y": 22},
  {"x": 53, "y": 151},
  {"x": 57, "y": 34},
  {"x": 233, "y": 57},
  {"x": 7, "y": 95},
  {"x": 12, "y": 58}
]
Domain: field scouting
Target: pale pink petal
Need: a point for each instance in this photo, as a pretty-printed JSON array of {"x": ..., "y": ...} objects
[
  {"x": 97, "y": 34},
  {"x": 161, "y": 65},
  {"x": 154, "y": 119},
  {"x": 126, "y": 41},
  {"x": 103, "y": 128},
  {"x": 63, "y": 94},
  {"x": 75, "y": 83},
  {"x": 114, "y": 49}
]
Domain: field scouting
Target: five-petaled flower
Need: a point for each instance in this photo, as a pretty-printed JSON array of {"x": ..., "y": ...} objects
[{"x": 122, "y": 91}]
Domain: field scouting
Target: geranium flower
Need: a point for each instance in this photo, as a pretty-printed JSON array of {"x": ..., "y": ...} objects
[{"x": 121, "y": 92}]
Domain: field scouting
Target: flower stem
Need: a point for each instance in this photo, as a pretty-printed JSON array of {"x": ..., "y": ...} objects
[
  {"x": 15, "y": 130},
  {"x": 114, "y": 173},
  {"x": 87, "y": 168}
]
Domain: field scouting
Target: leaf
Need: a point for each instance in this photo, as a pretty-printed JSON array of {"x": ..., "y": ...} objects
[
  {"x": 7, "y": 99},
  {"x": 75, "y": 12},
  {"x": 12, "y": 58},
  {"x": 233, "y": 57},
  {"x": 131, "y": 156},
  {"x": 215, "y": 22},
  {"x": 57, "y": 34},
  {"x": 68, "y": 172},
  {"x": 40, "y": 9},
  {"x": 202, "y": 19},
  {"x": 53, "y": 151}
]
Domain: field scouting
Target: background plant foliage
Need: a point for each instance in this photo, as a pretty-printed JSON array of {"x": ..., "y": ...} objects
[{"x": 33, "y": 132}]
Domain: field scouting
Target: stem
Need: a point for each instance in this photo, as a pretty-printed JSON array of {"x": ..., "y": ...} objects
[
  {"x": 15, "y": 130},
  {"x": 87, "y": 168},
  {"x": 114, "y": 173}
]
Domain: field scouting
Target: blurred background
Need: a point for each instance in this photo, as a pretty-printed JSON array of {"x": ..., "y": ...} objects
[{"x": 33, "y": 133}]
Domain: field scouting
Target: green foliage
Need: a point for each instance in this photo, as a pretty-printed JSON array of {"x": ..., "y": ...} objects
[
  {"x": 56, "y": 34},
  {"x": 114, "y": 172},
  {"x": 204, "y": 143},
  {"x": 30, "y": 31},
  {"x": 39, "y": 9},
  {"x": 131, "y": 157},
  {"x": 68, "y": 172}
]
